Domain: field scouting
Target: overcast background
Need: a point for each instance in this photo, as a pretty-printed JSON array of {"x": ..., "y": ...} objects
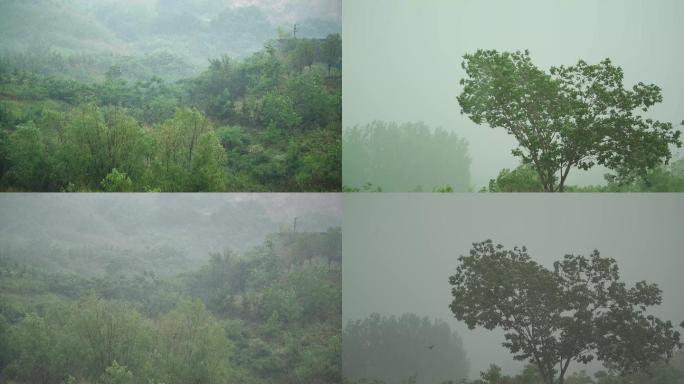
[
  {"x": 400, "y": 249},
  {"x": 402, "y": 58}
]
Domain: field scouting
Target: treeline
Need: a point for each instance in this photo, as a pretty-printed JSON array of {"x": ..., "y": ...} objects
[
  {"x": 268, "y": 123},
  {"x": 661, "y": 373},
  {"x": 393, "y": 349},
  {"x": 93, "y": 260},
  {"x": 393, "y": 157},
  {"x": 93, "y": 68},
  {"x": 663, "y": 178},
  {"x": 255, "y": 318}
]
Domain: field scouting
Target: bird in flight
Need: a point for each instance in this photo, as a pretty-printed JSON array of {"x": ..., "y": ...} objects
[{"x": 430, "y": 346}]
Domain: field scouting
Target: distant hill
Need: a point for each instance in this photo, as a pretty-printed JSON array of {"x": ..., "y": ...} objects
[
  {"x": 194, "y": 30},
  {"x": 28, "y": 25},
  {"x": 47, "y": 230}
]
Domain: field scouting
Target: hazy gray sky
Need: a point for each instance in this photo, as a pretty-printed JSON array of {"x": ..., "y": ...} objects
[
  {"x": 400, "y": 249},
  {"x": 402, "y": 58}
]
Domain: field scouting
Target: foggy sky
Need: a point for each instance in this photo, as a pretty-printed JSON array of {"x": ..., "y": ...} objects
[
  {"x": 400, "y": 249},
  {"x": 402, "y": 58},
  {"x": 194, "y": 223}
]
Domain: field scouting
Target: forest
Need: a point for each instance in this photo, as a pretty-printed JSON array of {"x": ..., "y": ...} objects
[
  {"x": 268, "y": 314},
  {"x": 393, "y": 157},
  {"x": 396, "y": 349},
  {"x": 72, "y": 119}
]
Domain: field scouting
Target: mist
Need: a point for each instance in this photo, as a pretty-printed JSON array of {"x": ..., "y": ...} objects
[
  {"x": 190, "y": 226},
  {"x": 168, "y": 33},
  {"x": 403, "y": 60},
  {"x": 400, "y": 249}
]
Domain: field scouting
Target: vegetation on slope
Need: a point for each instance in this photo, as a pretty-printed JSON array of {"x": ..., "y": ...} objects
[
  {"x": 268, "y": 123},
  {"x": 269, "y": 315}
]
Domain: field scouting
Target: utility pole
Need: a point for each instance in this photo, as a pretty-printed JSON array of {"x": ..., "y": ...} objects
[
  {"x": 294, "y": 227},
  {"x": 294, "y": 31}
]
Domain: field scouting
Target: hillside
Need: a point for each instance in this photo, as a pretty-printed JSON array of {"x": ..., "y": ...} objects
[
  {"x": 82, "y": 234},
  {"x": 269, "y": 122},
  {"x": 144, "y": 36},
  {"x": 254, "y": 317}
]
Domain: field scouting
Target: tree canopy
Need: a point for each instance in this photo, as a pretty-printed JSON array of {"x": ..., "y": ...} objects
[
  {"x": 577, "y": 312},
  {"x": 264, "y": 123},
  {"x": 572, "y": 117},
  {"x": 663, "y": 178},
  {"x": 393, "y": 348},
  {"x": 405, "y": 157}
]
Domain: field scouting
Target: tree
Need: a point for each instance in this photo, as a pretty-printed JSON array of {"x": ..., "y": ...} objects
[
  {"x": 279, "y": 110},
  {"x": 493, "y": 376},
  {"x": 304, "y": 54},
  {"x": 110, "y": 330},
  {"x": 100, "y": 139},
  {"x": 334, "y": 243},
  {"x": 117, "y": 374},
  {"x": 193, "y": 346},
  {"x": 332, "y": 51},
  {"x": 579, "y": 312},
  {"x": 113, "y": 73},
  {"x": 394, "y": 348},
  {"x": 34, "y": 349},
  {"x": 312, "y": 100},
  {"x": 116, "y": 181},
  {"x": 189, "y": 156},
  {"x": 660, "y": 179},
  {"x": 403, "y": 157},
  {"x": 5, "y": 349},
  {"x": 220, "y": 282},
  {"x": 282, "y": 300},
  {"x": 573, "y": 117},
  {"x": 209, "y": 164},
  {"x": 26, "y": 154},
  {"x": 318, "y": 295},
  {"x": 522, "y": 179}
]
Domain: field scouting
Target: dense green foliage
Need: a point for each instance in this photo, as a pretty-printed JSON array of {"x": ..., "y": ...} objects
[
  {"x": 578, "y": 312},
  {"x": 392, "y": 348},
  {"x": 660, "y": 373},
  {"x": 573, "y": 117},
  {"x": 664, "y": 178},
  {"x": 522, "y": 179},
  {"x": 405, "y": 157},
  {"x": 269, "y": 315},
  {"x": 271, "y": 122}
]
